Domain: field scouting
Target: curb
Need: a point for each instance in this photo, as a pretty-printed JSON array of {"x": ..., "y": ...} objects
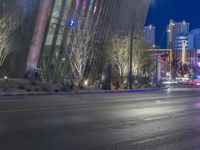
[
  {"x": 119, "y": 91},
  {"x": 83, "y": 92}
]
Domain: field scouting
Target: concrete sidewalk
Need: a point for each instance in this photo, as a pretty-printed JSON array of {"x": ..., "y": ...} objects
[{"x": 84, "y": 91}]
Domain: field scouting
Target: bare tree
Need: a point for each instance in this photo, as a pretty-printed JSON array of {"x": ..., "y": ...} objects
[
  {"x": 142, "y": 60},
  {"x": 80, "y": 50},
  {"x": 16, "y": 28},
  {"x": 10, "y": 23},
  {"x": 118, "y": 50}
]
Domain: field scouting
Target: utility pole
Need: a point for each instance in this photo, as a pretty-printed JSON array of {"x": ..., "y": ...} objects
[
  {"x": 133, "y": 13},
  {"x": 131, "y": 56}
]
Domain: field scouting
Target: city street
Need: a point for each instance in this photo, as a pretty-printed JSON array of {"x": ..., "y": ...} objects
[{"x": 156, "y": 120}]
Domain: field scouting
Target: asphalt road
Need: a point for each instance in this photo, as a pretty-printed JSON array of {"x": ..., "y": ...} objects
[{"x": 157, "y": 120}]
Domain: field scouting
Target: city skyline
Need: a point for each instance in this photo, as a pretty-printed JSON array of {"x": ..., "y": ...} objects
[
  {"x": 92, "y": 74},
  {"x": 172, "y": 9}
]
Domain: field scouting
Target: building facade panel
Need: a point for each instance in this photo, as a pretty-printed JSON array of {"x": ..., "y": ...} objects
[
  {"x": 131, "y": 12},
  {"x": 38, "y": 35},
  {"x": 178, "y": 32},
  {"x": 19, "y": 17},
  {"x": 149, "y": 35},
  {"x": 72, "y": 22},
  {"x": 66, "y": 27}
]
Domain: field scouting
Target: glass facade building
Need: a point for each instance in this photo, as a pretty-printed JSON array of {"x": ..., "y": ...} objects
[
  {"x": 195, "y": 39},
  {"x": 178, "y": 42},
  {"x": 66, "y": 30},
  {"x": 194, "y": 44},
  {"x": 131, "y": 12},
  {"x": 75, "y": 29},
  {"x": 178, "y": 32},
  {"x": 17, "y": 20},
  {"x": 149, "y": 35}
]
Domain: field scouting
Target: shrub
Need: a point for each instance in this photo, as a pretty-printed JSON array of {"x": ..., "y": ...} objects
[
  {"x": 116, "y": 84},
  {"x": 45, "y": 89},
  {"x": 125, "y": 85},
  {"x": 159, "y": 85},
  {"x": 28, "y": 89},
  {"x": 33, "y": 83},
  {"x": 36, "y": 89},
  {"x": 56, "y": 90},
  {"x": 71, "y": 85},
  {"x": 80, "y": 84},
  {"x": 65, "y": 88},
  {"x": 147, "y": 86},
  {"x": 137, "y": 86},
  {"x": 5, "y": 89},
  {"x": 21, "y": 86}
]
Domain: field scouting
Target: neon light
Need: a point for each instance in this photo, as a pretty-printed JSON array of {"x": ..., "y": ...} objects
[
  {"x": 77, "y": 4},
  {"x": 85, "y": 4},
  {"x": 72, "y": 23},
  {"x": 95, "y": 9}
]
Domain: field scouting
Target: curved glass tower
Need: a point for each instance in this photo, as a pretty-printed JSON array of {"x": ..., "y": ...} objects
[
  {"x": 75, "y": 30},
  {"x": 68, "y": 35},
  {"x": 17, "y": 20}
]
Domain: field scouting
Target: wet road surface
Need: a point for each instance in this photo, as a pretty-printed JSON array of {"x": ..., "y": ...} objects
[{"x": 157, "y": 120}]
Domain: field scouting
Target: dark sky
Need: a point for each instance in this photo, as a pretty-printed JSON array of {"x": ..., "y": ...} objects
[{"x": 161, "y": 11}]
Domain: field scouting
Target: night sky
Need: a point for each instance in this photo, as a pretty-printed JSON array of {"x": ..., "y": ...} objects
[{"x": 161, "y": 11}]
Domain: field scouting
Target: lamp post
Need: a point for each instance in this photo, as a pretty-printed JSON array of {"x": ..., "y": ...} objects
[
  {"x": 133, "y": 16},
  {"x": 131, "y": 57},
  {"x": 133, "y": 13}
]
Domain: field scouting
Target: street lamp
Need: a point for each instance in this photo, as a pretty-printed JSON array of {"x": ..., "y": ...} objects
[
  {"x": 131, "y": 57},
  {"x": 133, "y": 16}
]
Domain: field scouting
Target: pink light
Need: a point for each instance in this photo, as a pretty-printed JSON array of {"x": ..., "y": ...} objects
[
  {"x": 77, "y": 4},
  {"x": 197, "y": 105},
  {"x": 85, "y": 4}
]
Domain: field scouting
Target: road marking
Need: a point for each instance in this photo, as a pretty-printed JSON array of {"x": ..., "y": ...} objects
[
  {"x": 161, "y": 137},
  {"x": 154, "y": 118},
  {"x": 31, "y": 109},
  {"x": 164, "y": 102},
  {"x": 150, "y": 140},
  {"x": 159, "y": 102}
]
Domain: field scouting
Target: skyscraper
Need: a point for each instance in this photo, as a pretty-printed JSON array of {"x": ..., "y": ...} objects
[
  {"x": 176, "y": 30},
  {"x": 77, "y": 29},
  {"x": 149, "y": 35},
  {"x": 77, "y": 26},
  {"x": 65, "y": 28},
  {"x": 177, "y": 33},
  {"x": 194, "y": 46}
]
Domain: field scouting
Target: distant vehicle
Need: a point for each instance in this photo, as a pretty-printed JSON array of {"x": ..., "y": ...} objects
[
  {"x": 196, "y": 82},
  {"x": 170, "y": 83},
  {"x": 189, "y": 82}
]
